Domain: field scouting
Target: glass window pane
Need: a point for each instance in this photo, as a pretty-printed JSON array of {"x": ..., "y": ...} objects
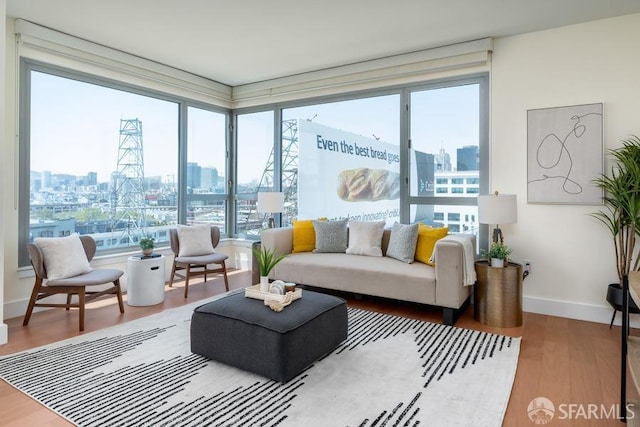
[
  {"x": 444, "y": 137},
  {"x": 444, "y": 155},
  {"x": 124, "y": 186},
  {"x": 206, "y": 167},
  {"x": 461, "y": 219},
  {"x": 255, "y": 139},
  {"x": 347, "y": 156}
]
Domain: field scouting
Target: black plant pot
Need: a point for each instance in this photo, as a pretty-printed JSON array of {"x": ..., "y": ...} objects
[{"x": 614, "y": 298}]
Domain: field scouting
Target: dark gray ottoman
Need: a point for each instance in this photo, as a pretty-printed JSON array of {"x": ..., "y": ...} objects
[{"x": 245, "y": 333}]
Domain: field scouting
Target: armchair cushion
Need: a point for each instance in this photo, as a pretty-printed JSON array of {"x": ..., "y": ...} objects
[
  {"x": 194, "y": 240},
  {"x": 64, "y": 257}
]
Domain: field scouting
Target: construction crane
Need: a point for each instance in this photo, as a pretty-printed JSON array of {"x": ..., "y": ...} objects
[
  {"x": 289, "y": 176},
  {"x": 128, "y": 186}
]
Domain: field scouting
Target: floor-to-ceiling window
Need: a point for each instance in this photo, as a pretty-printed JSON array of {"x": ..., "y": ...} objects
[
  {"x": 206, "y": 192},
  {"x": 257, "y": 169},
  {"x": 413, "y": 154},
  {"x": 102, "y": 158},
  {"x": 119, "y": 162}
]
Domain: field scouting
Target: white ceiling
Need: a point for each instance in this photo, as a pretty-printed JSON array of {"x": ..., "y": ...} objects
[{"x": 245, "y": 41}]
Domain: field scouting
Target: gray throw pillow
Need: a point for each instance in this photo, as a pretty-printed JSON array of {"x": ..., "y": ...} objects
[
  {"x": 331, "y": 236},
  {"x": 402, "y": 242}
]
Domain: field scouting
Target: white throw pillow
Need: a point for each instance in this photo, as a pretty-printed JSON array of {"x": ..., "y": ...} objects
[
  {"x": 64, "y": 257},
  {"x": 365, "y": 238},
  {"x": 195, "y": 240}
]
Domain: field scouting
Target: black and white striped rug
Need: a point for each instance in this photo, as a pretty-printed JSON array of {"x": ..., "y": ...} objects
[{"x": 391, "y": 371}]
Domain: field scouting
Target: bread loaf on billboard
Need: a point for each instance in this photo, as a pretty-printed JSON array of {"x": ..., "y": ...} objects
[{"x": 364, "y": 184}]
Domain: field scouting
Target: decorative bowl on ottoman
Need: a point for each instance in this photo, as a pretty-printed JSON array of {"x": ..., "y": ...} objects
[{"x": 255, "y": 292}]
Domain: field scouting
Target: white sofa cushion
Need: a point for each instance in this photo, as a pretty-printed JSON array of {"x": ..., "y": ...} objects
[
  {"x": 383, "y": 276},
  {"x": 365, "y": 238}
]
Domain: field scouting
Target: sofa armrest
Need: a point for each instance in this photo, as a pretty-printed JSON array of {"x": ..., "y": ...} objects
[
  {"x": 451, "y": 290},
  {"x": 280, "y": 239}
]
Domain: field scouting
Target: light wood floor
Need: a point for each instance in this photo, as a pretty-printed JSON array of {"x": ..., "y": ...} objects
[{"x": 566, "y": 361}]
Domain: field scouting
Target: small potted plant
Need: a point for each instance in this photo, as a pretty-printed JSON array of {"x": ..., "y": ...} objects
[
  {"x": 147, "y": 245},
  {"x": 498, "y": 254},
  {"x": 267, "y": 259}
]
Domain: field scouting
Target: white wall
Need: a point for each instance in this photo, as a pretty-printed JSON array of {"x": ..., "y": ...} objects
[
  {"x": 3, "y": 140},
  {"x": 12, "y": 288},
  {"x": 572, "y": 253}
]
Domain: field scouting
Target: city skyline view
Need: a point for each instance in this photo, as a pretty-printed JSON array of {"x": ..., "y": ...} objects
[
  {"x": 70, "y": 115},
  {"x": 90, "y": 125}
]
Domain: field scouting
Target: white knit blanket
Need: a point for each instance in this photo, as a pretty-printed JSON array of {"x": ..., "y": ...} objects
[{"x": 468, "y": 255}]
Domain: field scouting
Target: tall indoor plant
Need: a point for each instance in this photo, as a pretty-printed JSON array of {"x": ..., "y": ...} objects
[
  {"x": 621, "y": 213},
  {"x": 622, "y": 204}
]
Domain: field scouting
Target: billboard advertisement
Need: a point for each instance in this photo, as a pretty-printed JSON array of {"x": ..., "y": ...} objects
[{"x": 344, "y": 175}]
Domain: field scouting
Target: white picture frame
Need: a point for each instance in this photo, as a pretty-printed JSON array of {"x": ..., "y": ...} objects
[{"x": 565, "y": 154}]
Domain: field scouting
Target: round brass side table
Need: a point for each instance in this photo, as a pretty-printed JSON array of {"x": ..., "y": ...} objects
[{"x": 497, "y": 297}]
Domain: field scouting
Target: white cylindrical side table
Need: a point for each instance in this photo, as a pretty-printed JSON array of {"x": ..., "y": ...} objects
[{"x": 145, "y": 280}]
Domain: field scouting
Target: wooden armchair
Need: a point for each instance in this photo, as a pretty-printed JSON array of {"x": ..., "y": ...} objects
[
  {"x": 72, "y": 285},
  {"x": 196, "y": 262}
]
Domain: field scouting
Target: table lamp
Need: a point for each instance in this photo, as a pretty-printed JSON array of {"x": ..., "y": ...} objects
[
  {"x": 270, "y": 202},
  {"x": 497, "y": 209}
]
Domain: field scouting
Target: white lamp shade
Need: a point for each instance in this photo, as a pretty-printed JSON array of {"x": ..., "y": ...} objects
[
  {"x": 270, "y": 202},
  {"x": 497, "y": 209}
]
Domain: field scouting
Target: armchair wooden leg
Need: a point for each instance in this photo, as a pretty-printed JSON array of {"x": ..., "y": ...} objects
[
  {"x": 32, "y": 301},
  {"x": 119, "y": 295},
  {"x": 224, "y": 272},
  {"x": 68, "y": 301},
  {"x": 81, "y": 301},
  {"x": 173, "y": 273}
]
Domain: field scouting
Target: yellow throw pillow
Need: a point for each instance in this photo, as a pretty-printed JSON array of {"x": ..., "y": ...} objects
[
  {"x": 427, "y": 238},
  {"x": 304, "y": 236}
]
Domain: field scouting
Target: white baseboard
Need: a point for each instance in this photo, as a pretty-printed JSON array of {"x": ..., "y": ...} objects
[
  {"x": 19, "y": 308},
  {"x": 586, "y": 312},
  {"x": 4, "y": 333},
  {"x": 15, "y": 308},
  {"x": 570, "y": 310}
]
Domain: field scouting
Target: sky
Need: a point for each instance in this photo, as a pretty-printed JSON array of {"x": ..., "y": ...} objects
[{"x": 72, "y": 119}]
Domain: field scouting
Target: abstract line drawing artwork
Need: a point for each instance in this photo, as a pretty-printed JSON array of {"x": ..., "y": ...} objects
[{"x": 565, "y": 154}]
